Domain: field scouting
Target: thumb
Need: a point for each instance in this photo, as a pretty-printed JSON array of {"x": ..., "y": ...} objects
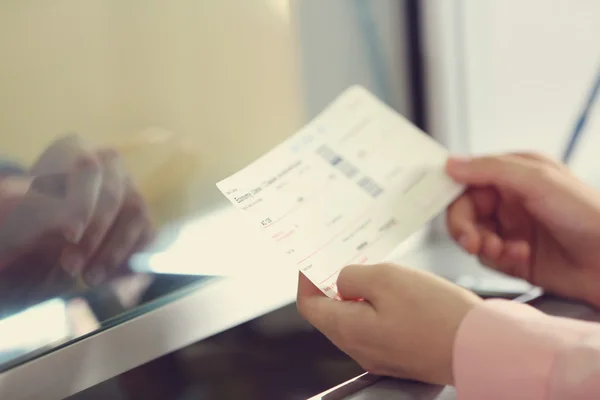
[
  {"x": 356, "y": 282},
  {"x": 524, "y": 176},
  {"x": 331, "y": 317}
]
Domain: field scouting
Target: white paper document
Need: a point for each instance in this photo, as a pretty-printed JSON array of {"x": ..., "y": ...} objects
[{"x": 346, "y": 189}]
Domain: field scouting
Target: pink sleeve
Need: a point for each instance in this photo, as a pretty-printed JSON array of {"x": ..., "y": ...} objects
[{"x": 507, "y": 350}]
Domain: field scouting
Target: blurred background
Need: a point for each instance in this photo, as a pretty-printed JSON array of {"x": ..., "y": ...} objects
[
  {"x": 524, "y": 73},
  {"x": 205, "y": 87},
  {"x": 190, "y": 91}
]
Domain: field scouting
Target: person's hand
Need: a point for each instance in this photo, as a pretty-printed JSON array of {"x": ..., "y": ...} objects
[
  {"x": 404, "y": 327},
  {"x": 530, "y": 217},
  {"x": 81, "y": 212}
]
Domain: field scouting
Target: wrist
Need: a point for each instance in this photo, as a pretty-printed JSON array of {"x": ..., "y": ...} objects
[{"x": 472, "y": 301}]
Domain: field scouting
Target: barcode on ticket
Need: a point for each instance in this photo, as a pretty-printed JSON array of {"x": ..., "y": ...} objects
[
  {"x": 337, "y": 161},
  {"x": 369, "y": 186}
]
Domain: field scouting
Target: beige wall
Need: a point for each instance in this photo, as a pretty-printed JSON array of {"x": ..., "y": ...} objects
[
  {"x": 214, "y": 72},
  {"x": 221, "y": 75},
  {"x": 227, "y": 77}
]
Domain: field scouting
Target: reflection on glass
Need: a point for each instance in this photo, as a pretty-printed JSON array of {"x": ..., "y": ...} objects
[
  {"x": 161, "y": 112},
  {"x": 75, "y": 215},
  {"x": 42, "y": 326},
  {"x": 177, "y": 251},
  {"x": 20, "y": 333},
  {"x": 69, "y": 225}
]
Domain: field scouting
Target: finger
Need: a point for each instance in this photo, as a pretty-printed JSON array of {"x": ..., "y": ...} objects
[
  {"x": 306, "y": 288},
  {"x": 147, "y": 237},
  {"x": 34, "y": 261},
  {"x": 314, "y": 306},
  {"x": 463, "y": 214},
  {"x": 329, "y": 316},
  {"x": 27, "y": 219},
  {"x": 51, "y": 185},
  {"x": 107, "y": 207},
  {"x": 526, "y": 177},
  {"x": 133, "y": 219},
  {"x": 461, "y": 220},
  {"x": 486, "y": 201},
  {"x": 117, "y": 247},
  {"x": 63, "y": 151},
  {"x": 515, "y": 259},
  {"x": 518, "y": 251},
  {"x": 515, "y": 222},
  {"x": 542, "y": 159},
  {"x": 357, "y": 282},
  {"x": 114, "y": 181},
  {"x": 334, "y": 318},
  {"x": 492, "y": 245},
  {"x": 111, "y": 196},
  {"x": 83, "y": 187}
]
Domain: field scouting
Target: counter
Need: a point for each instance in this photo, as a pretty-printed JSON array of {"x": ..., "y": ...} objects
[{"x": 209, "y": 309}]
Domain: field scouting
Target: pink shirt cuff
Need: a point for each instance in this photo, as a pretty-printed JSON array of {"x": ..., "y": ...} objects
[{"x": 507, "y": 350}]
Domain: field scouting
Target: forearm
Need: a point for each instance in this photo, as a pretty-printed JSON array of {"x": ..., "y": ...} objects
[{"x": 510, "y": 350}]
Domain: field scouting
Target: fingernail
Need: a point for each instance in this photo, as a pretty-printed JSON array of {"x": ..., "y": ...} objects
[
  {"x": 74, "y": 232},
  {"x": 72, "y": 263},
  {"x": 95, "y": 276}
]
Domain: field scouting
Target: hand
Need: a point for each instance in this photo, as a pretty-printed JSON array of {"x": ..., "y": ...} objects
[
  {"x": 405, "y": 327},
  {"x": 81, "y": 211},
  {"x": 529, "y": 217}
]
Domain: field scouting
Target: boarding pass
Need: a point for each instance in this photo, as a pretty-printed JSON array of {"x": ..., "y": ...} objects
[{"x": 347, "y": 188}]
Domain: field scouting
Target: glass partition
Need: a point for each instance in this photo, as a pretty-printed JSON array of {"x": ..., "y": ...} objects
[{"x": 118, "y": 117}]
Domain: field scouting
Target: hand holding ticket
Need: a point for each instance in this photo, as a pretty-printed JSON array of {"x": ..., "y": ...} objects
[{"x": 346, "y": 189}]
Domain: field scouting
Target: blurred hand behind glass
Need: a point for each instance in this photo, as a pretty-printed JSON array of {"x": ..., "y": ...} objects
[{"x": 75, "y": 213}]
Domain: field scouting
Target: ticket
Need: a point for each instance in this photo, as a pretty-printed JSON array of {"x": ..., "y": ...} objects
[{"x": 347, "y": 188}]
